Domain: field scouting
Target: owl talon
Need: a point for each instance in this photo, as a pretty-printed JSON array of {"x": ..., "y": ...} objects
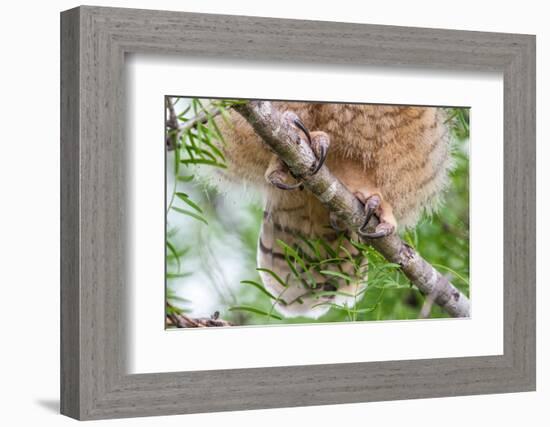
[
  {"x": 300, "y": 125},
  {"x": 336, "y": 223},
  {"x": 382, "y": 230},
  {"x": 283, "y": 186},
  {"x": 319, "y": 144},
  {"x": 295, "y": 120},
  {"x": 321, "y": 159},
  {"x": 376, "y": 206},
  {"x": 318, "y": 141},
  {"x": 371, "y": 206},
  {"x": 276, "y": 176}
]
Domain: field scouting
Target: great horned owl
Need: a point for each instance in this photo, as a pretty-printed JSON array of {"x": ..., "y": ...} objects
[{"x": 396, "y": 159}]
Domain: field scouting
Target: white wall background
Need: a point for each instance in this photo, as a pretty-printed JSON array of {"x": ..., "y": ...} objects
[{"x": 29, "y": 214}]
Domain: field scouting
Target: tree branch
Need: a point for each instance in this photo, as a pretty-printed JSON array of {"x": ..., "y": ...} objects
[
  {"x": 287, "y": 143},
  {"x": 172, "y": 122},
  {"x": 180, "y": 320}
]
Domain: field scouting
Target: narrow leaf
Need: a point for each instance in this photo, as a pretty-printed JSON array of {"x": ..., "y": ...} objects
[
  {"x": 254, "y": 310},
  {"x": 191, "y": 214},
  {"x": 172, "y": 249},
  {"x": 203, "y": 162},
  {"x": 185, "y": 178},
  {"x": 274, "y": 275},
  {"x": 177, "y": 275},
  {"x": 186, "y": 199},
  {"x": 344, "y": 276},
  {"x": 261, "y": 289}
]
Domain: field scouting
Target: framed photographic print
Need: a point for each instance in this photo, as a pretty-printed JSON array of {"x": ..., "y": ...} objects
[{"x": 283, "y": 213}]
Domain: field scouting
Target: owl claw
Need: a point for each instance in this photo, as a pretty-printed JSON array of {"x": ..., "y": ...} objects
[
  {"x": 336, "y": 223},
  {"x": 382, "y": 230},
  {"x": 373, "y": 208},
  {"x": 321, "y": 159},
  {"x": 277, "y": 177},
  {"x": 300, "y": 125},
  {"x": 318, "y": 141},
  {"x": 283, "y": 186}
]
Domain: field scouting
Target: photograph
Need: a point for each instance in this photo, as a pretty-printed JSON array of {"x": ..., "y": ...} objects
[
  {"x": 247, "y": 244},
  {"x": 343, "y": 200}
]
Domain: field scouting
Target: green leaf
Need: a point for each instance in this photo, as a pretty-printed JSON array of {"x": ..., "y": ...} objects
[
  {"x": 290, "y": 252},
  {"x": 274, "y": 275},
  {"x": 186, "y": 199},
  {"x": 180, "y": 253},
  {"x": 333, "y": 261},
  {"x": 314, "y": 247},
  {"x": 332, "y": 305},
  {"x": 189, "y": 152},
  {"x": 365, "y": 310},
  {"x": 203, "y": 162},
  {"x": 191, "y": 214},
  {"x": 177, "y": 275},
  {"x": 333, "y": 293},
  {"x": 213, "y": 125},
  {"x": 226, "y": 117},
  {"x": 359, "y": 246},
  {"x": 199, "y": 103},
  {"x": 344, "y": 276},
  {"x": 387, "y": 266},
  {"x": 172, "y": 249},
  {"x": 183, "y": 113},
  {"x": 292, "y": 267},
  {"x": 451, "y": 116},
  {"x": 215, "y": 149},
  {"x": 185, "y": 178},
  {"x": 262, "y": 289},
  {"x": 331, "y": 252},
  {"x": 350, "y": 256},
  {"x": 254, "y": 310},
  {"x": 195, "y": 104},
  {"x": 205, "y": 154},
  {"x": 170, "y": 309},
  {"x": 191, "y": 138},
  {"x": 293, "y": 253}
]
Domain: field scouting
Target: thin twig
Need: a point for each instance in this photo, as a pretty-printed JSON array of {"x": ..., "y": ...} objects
[
  {"x": 200, "y": 118},
  {"x": 180, "y": 320},
  {"x": 173, "y": 124},
  {"x": 288, "y": 144}
]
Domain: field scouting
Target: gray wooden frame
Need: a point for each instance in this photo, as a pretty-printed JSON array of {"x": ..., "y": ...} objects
[{"x": 94, "y": 234}]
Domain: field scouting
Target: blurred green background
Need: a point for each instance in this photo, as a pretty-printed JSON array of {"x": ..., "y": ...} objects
[{"x": 212, "y": 231}]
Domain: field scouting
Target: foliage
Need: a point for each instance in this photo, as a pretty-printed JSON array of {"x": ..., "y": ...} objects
[{"x": 192, "y": 146}]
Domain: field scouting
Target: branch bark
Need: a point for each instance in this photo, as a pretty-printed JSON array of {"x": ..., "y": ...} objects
[
  {"x": 172, "y": 122},
  {"x": 287, "y": 143},
  {"x": 180, "y": 320}
]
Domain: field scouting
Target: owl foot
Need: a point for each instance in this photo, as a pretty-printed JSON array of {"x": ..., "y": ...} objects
[
  {"x": 277, "y": 173},
  {"x": 382, "y": 230},
  {"x": 376, "y": 206},
  {"x": 318, "y": 141},
  {"x": 277, "y": 178},
  {"x": 336, "y": 223}
]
